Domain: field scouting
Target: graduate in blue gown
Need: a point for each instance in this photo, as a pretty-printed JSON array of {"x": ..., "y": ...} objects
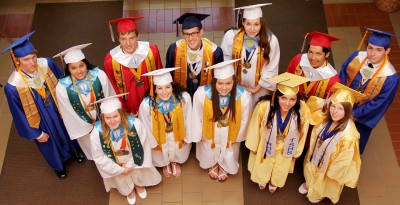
[
  {"x": 371, "y": 73},
  {"x": 30, "y": 93}
]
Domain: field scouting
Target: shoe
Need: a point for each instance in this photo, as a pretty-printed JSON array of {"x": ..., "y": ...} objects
[
  {"x": 272, "y": 188},
  {"x": 80, "y": 157},
  {"x": 222, "y": 175},
  {"x": 314, "y": 201},
  {"x": 143, "y": 194},
  {"x": 167, "y": 170},
  {"x": 213, "y": 172},
  {"x": 262, "y": 187},
  {"x": 176, "y": 169},
  {"x": 131, "y": 201},
  {"x": 62, "y": 174},
  {"x": 303, "y": 190}
]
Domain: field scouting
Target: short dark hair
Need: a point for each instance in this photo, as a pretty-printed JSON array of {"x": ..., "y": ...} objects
[
  {"x": 324, "y": 49},
  {"x": 88, "y": 66}
]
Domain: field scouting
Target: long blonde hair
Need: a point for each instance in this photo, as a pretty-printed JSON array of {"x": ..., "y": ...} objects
[{"x": 106, "y": 130}]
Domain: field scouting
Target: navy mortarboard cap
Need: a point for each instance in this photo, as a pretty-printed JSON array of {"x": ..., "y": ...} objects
[
  {"x": 380, "y": 38},
  {"x": 191, "y": 20},
  {"x": 21, "y": 47}
]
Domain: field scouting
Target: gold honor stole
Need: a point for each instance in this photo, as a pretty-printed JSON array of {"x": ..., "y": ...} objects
[
  {"x": 320, "y": 86},
  {"x": 180, "y": 75},
  {"x": 209, "y": 124},
  {"x": 178, "y": 124},
  {"x": 375, "y": 84},
  {"x": 28, "y": 103},
  {"x": 237, "y": 54},
  {"x": 119, "y": 74}
]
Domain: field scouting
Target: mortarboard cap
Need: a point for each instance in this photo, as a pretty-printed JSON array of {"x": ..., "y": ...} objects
[
  {"x": 224, "y": 69},
  {"x": 110, "y": 104},
  {"x": 124, "y": 25},
  {"x": 321, "y": 39},
  {"x": 191, "y": 20},
  {"x": 161, "y": 76},
  {"x": 343, "y": 93},
  {"x": 288, "y": 83},
  {"x": 252, "y": 11},
  {"x": 73, "y": 54},
  {"x": 380, "y": 38},
  {"x": 21, "y": 47}
]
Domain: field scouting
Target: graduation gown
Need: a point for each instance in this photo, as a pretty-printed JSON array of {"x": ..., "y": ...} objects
[
  {"x": 267, "y": 71},
  {"x": 111, "y": 172},
  {"x": 127, "y": 62},
  {"x": 217, "y": 57},
  {"x": 59, "y": 147},
  {"x": 170, "y": 150},
  {"x": 318, "y": 76},
  {"x": 72, "y": 120},
  {"x": 342, "y": 166},
  {"x": 273, "y": 169},
  {"x": 226, "y": 157}
]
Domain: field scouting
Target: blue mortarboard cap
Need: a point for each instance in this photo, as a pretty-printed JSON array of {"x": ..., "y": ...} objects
[
  {"x": 191, "y": 20},
  {"x": 21, "y": 47},
  {"x": 380, "y": 38}
]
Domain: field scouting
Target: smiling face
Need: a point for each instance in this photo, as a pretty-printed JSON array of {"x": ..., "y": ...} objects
[
  {"x": 376, "y": 54},
  {"x": 316, "y": 56},
  {"x": 164, "y": 92},
  {"x": 224, "y": 87},
  {"x": 78, "y": 70},
  {"x": 286, "y": 102},
  {"x": 193, "y": 37},
  {"x": 336, "y": 111},
  {"x": 28, "y": 63},
  {"x": 252, "y": 27},
  {"x": 129, "y": 41},
  {"x": 113, "y": 119}
]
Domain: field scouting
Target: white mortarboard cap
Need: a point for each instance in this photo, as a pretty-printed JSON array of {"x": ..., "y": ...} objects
[
  {"x": 252, "y": 11},
  {"x": 110, "y": 104},
  {"x": 161, "y": 76},
  {"x": 224, "y": 69},
  {"x": 73, "y": 54}
]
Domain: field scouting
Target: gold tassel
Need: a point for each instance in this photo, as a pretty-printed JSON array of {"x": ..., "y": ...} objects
[
  {"x": 227, "y": 145},
  {"x": 213, "y": 144},
  {"x": 151, "y": 86},
  {"x": 111, "y": 32},
  {"x": 362, "y": 40},
  {"x": 180, "y": 145}
]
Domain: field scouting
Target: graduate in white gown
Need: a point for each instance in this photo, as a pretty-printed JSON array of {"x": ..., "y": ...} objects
[
  {"x": 220, "y": 115},
  {"x": 121, "y": 150},
  {"x": 166, "y": 114},
  {"x": 82, "y": 84}
]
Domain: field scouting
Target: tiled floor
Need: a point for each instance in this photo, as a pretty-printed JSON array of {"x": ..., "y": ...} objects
[{"x": 380, "y": 172}]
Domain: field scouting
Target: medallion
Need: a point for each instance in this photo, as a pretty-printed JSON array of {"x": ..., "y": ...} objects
[
  {"x": 168, "y": 127},
  {"x": 121, "y": 152},
  {"x": 219, "y": 125},
  {"x": 46, "y": 100},
  {"x": 246, "y": 65},
  {"x": 192, "y": 76},
  {"x": 244, "y": 71},
  {"x": 91, "y": 107},
  {"x": 192, "y": 56},
  {"x": 138, "y": 81},
  {"x": 37, "y": 82},
  {"x": 359, "y": 89},
  {"x": 224, "y": 121},
  {"x": 320, "y": 142},
  {"x": 280, "y": 138}
]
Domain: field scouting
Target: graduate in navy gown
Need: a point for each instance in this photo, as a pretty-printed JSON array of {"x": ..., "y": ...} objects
[
  {"x": 30, "y": 93},
  {"x": 371, "y": 73}
]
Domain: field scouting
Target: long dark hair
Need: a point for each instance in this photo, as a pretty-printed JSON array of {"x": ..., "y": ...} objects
[
  {"x": 215, "y": 100},
  {"x": 88, "y": 66},
  {"x": 272, "y": 110},
  {"x": 263, "y": 37},
  {"x": 177, "y": 91}
]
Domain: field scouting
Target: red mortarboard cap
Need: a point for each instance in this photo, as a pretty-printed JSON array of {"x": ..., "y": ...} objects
[
  {"x": 321, "y": 39},
  {"x": 126, "y": 24}
]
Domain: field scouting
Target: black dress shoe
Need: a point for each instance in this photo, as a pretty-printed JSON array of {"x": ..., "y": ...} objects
[
  {"x": 80, "y": 157},
  {"x": 62, "y": 174}
]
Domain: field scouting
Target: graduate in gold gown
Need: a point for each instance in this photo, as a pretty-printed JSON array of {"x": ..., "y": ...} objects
[
  {"x": 333, "y": 159},
  {"x": 277, "y": 132}
]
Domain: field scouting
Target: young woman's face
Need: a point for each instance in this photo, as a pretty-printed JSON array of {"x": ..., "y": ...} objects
[
  {"x": 164, "y": 92},
  {"x": 336, "y": 111},
  {"x": 78, "y": 70},
  {"x": 112, "y": 119},
  {"x": 224, "y": 87},
  {"x": 252, "y": 27},
  {"x": 286, "y": 102}
]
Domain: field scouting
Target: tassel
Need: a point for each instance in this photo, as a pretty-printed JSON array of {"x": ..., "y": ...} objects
[
  {"x": 180, "y": 145},
  {"x": 14, "y": 59},
  {"x": 177, "y": 29},
  {"x": 362, "y": 40},
  {"x": 304, "y": 42},
  {"x": 151, "y": 86},
  {"x": 213, "y": 144},
  {"x": 159, "y": 147},
  {"x": 228, "y": 145},
  {"x": 111, "y": 32}
]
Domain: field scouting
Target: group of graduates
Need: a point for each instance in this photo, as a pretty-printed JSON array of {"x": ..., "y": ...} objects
[{"x": 135, "y": 115}]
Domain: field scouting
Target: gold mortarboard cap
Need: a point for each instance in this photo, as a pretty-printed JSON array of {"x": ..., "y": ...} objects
[
  {"x": 288, "y": 83},
  {"x": 343, "y": 93}
]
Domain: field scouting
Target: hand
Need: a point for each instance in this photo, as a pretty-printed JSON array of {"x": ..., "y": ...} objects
[
  {"x": 126, "y": 169},
  {"x": 44, "y": 138},
  {"x": 252, "y": 90}
]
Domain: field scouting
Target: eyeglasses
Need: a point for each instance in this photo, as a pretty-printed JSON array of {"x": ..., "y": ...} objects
[{"x": 193, "y": 34}]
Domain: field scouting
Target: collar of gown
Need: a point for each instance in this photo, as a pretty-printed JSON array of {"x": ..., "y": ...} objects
[
  {"x": 131, "y": 60},
  {"x": 316, "y": 74}
]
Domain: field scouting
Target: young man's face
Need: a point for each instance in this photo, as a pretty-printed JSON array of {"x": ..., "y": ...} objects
[
  {"x": 193, "y": 37},
  {"x": 316, "y": 56},
  {"x": 376, "y": 54},
  {"x": 129, "y": 41},
  {"x": 28, "y": 63}
]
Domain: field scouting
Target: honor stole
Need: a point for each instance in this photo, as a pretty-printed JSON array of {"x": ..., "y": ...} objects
[
  {"x": 180, "y": 75},
  {"x": 178, "y": 124},
  {"x": 28, "y": 103},
  {"x": 119, "y": 74},
  {"x": 75, "y": 101},
  {"x": 209, "y": 124},
  {"x": 316, "y": 88},
  {"x": 374, "y": 85},
  {"x": 134, "y": 144},
  {"x": 237, "y": 54}
]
